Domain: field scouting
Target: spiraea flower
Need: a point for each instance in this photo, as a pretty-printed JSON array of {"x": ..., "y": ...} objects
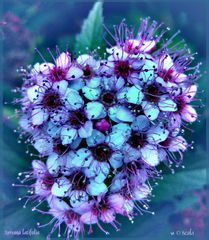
[{"x": 102, "y": 126}]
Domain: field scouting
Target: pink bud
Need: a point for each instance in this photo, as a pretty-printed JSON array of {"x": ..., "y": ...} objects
[{"x": 103, "y": 125}]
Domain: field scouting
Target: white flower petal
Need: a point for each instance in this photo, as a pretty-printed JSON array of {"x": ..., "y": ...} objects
[
  {"x": 150, "y": 110},
  {"x": 96, "y": 138},
  {"x": 68, "y": 134},
  {"x": 95, "y": 110},
  {"x": 82, "y": 158},
  {"x": 118, "y": 136},
  {"x": 91, "y": 93},
  {"x": 116, "y": 160},
  {"x": 64, "y": 60},
  {"x": 53, "y": 130},
  {"x": 58, "y": 204},
  {"x": 39, "y": 115},
  {"x": 131, "y": 154},
  {"x": 78, "y": 197},
  {"x": 166, "y": 104},
  {"x": 61, "y": 187},
  {"x": 134, "y": 95},
  {"x": 157, "y": 134},
  {"x": 76, "y": 85},
  {"x": 86, "y": 59},
  {"x": 60, "y": 86},
  {"x": 86, "y": 130},
  {"x": 89, "y": 218},
  {"x": 39, "y": 167},
  {"x": 147, "y": 72},
  {"x": 141, "y": 192},
  {"x": 74, "y": 73},
  {"x": 43, "y": 145},
  {"x": 124, "y": 114},
  {"x": 188, "y": 113},
  {"x": 72, "y": 99},
  {"x": 94, "y": 82},
  {"x": 149, "y": 154},
  {"x": 95, "y": 189},
  {"x": 166, "y": 62},
  {"x": 103, "y": 171},
  {"x": 140, "y": 123},
  {"x": 35, "y": 93},
  {"x": 147, "y": 46},
  {"x": 53, "y": 163},
  {"x": 112, "y": 111}
]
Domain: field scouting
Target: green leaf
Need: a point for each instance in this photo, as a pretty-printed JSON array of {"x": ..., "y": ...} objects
[
  {"x": 91, "y": 35},
  {"x": 179, "y": 183}
]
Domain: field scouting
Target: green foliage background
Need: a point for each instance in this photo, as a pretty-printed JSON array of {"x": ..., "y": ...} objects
[{"x": 58, "y": 23}]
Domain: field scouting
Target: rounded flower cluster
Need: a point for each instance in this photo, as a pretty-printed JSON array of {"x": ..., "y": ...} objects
[{"x": 101, "y": 126}]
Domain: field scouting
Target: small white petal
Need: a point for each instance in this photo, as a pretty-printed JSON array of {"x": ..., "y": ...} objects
[
  {"x": 135, "y": 95},
  {"x": 157, "y": 134},
  {"x": 149, "y": 154},
  {"x": 89, "y": 218},
  {"x": 61, "y": 187},
  {"x": 91, "y": 93},
  {"x": 60, "y": 87},
  {"x": 74, "y": 73},
  {"x": 150, "y": 110},
  {"x": 39, "y": 116},
  {"x": 63, "y": 61},
  {"x": 78, "y": 197},
  {"x": 124, "y": 114},
  {"x": 95, "y": 189},
  {"x": 96, "y": 138},
  {"x": 35, "y": 93},
  {"x": 95, "y": 110},
  {"x": 53, "y": 163},
  {"x": 166, "y": 62},
  {"x": 68, "y": 134},
  {"x": 72, "y": 99},
  {"x": 116, "y": 160},
  {"x": 58, "y": 204},
  {"x": 140, "y": 123},
  {"x": 188, "y": 113},
  {"x": 82, "y": 158},
  {"x": 166, "y": 104},
  {"x": 86, "y": 130},
  {"x": 43, "y": 145},
  {"x": 141, "y": 192},
  {"x": 94, "y": 82}
]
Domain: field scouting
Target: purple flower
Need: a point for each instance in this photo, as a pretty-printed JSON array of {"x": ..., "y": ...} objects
[{"x": 104, "y": 126}]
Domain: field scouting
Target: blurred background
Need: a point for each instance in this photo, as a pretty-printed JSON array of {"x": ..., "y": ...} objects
[{"x": 180, "y": 201}]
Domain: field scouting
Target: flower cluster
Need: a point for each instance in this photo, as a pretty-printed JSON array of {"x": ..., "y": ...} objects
[{"x": 101, "y": 126}]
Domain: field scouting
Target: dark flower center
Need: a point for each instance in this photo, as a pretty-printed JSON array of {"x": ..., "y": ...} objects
[
  {"x": 137, "y": 140},
  {"x": 152, "y": 93},
  {"x": 122, "y": 69},
  {"x": 51, "y": 100},
  {"x": 78, "y": 118},
  {"x": 79, "y": 180},
  {"x": 133, "y": 166},
  {"x": 48, "y": 181},
  {"x": 58, "y": 74},
  {"x": 166, "y": 75},
  {"x": 136, "y": 109},
  {"x": 180, "y": 104},
  {"x": 61, "y": 149},
  {"x": 101, "y": 152},
  {"x": 108, "y": 98},
  {"x": 166, "y": 143},
  {"x": 87, "y": 71}
]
